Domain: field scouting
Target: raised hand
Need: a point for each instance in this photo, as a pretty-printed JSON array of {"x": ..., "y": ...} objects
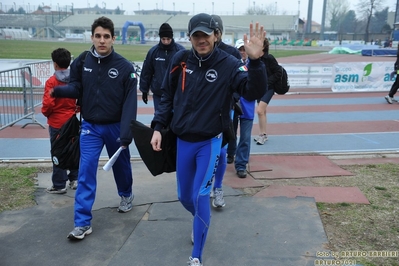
[{"x": 254, "y": 45}]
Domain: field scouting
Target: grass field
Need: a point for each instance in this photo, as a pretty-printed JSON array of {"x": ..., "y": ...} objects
[{"x": 19, "y": 49}]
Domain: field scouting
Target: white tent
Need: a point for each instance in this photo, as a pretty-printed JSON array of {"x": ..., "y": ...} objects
[{"x": 15, "y": 34}]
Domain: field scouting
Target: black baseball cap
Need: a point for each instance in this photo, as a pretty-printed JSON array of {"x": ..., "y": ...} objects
[
  {"x": 201, "y": 22},
  {"x": 219, "y": 22}
]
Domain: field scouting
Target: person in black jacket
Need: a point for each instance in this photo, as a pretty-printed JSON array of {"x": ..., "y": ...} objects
[
  {"x": 156, "y": 63},
  {"x": 106, "y": 83},
  {"x": 395, "y": 86},
  {"x": 196, "y": 104},
  {"x": 219, "y": 32},
  {"x": 232, "y": 145},
  {"x": 230, "y": 148},
  {"x": 274, "y": 73}
]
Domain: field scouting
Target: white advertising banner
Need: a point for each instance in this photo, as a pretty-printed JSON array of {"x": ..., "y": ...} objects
[
  {"x": 362, "y": 76},
  {"x": 309, "y": 75}
]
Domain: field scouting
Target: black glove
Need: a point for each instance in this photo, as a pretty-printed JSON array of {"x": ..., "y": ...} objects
[{"x": 145, "y": 97}]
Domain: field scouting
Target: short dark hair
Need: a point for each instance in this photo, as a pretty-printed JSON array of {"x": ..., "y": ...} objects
[
  {"x": 105, "y": 23},
  {"x": 62, "y": 57},
  {"x": 266, "y": 46}
]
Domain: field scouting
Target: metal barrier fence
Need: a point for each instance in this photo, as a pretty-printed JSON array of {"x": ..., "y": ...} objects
[
  {"x": 17, "y": 97},
  {"x": 21, "y": 90},
  {"x": 40, "y": 72}
]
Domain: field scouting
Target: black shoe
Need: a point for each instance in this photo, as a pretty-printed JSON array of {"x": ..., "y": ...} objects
[
  {"x": 230, "y": 159},
  {"x": 242, "y": 174}
]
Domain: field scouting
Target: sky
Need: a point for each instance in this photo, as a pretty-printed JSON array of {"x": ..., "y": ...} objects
[{"x": 220, "y": 7}]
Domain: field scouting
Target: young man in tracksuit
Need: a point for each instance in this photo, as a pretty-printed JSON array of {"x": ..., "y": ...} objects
[
  {"x": 156, "y": 63},
  {"x": 199, "y": 95},
  {"x": 106, "y": 83}
]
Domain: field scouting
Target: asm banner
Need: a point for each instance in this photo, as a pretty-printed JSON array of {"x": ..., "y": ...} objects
[
  {"x": 362, "y": 76},
  {"x": 342, "y": 77}
]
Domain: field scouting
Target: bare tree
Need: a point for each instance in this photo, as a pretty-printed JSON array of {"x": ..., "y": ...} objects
[
  {"x": 256, "y": 10},
  {"x": 271, "y": 9},
  {"x": 336, "y": 11},
  {"x": 367, "y": 8}
]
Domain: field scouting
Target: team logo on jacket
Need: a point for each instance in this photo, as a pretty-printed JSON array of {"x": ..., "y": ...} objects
[
  {"x": 211, "y": 75},
  {"x": 113, "y": 73}
]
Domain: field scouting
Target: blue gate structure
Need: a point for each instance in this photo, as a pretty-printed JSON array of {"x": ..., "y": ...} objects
[
  {"x": 17, "y": 98},
  {"x": 133, "y": 23}
]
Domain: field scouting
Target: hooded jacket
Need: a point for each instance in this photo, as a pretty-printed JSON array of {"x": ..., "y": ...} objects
[
  {"x": 229, "y": 49},
  {"x": 155, "y": 66},
  {"x": 201, "y": 109},
  {"x": 107, "y": 87},
  {"x": 57, "y": 110},
  {"x": 273, "y": 70}
]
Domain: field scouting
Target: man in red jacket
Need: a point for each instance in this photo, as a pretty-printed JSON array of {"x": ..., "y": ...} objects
[{"x": 58, "y": 111}]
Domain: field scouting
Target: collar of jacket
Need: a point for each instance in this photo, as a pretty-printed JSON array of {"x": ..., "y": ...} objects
[
  {"x": 206, "y": 60},
  {"x": 220, "y": 44},
  {"x": 102, "y": 58},
  {"x": 166, "y": 47}
]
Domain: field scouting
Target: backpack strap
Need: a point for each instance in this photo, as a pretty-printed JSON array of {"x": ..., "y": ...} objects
[{"x": 82, "y": 57}]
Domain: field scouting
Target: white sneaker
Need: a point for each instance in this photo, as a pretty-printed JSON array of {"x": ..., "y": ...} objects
[
  {"x": 262, "y": 139},
  {"x": 126, "y": 204},
  {"x": 53, "y": 190},
  {"x": 390, "y": 99},
  {"x": 73, "y": 184},
  {"x": 194, "y": 262},
  {"x": 258, "y": 137},
  {"x": 80, "y": 232},
  {"x": 218, "y": 200}
]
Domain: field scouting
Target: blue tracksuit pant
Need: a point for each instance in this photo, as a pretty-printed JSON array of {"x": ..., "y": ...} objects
[
  {"x": 93, "y": 137},
  {"x": 196, "y": 167}
]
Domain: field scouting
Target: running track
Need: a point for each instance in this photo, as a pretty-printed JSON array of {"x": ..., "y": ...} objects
[{"x": 303, "y": 121}]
